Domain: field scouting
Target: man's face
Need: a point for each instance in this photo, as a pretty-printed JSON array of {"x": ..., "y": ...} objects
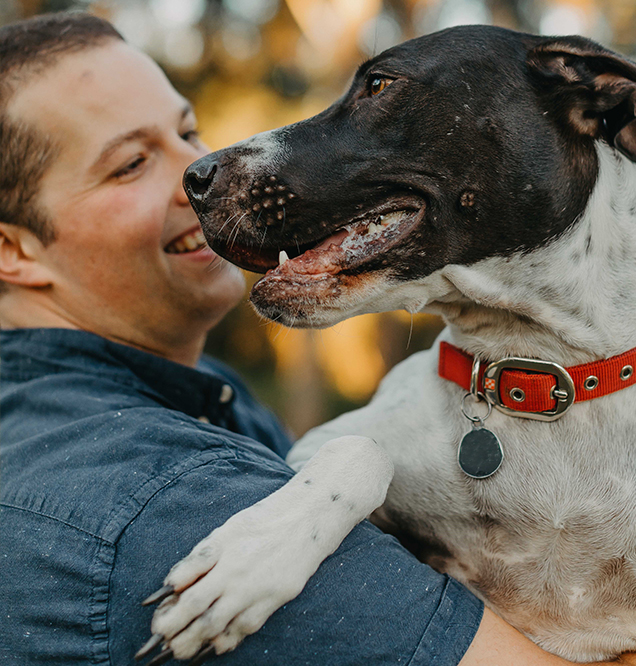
[{"x": 115, "y": 197}]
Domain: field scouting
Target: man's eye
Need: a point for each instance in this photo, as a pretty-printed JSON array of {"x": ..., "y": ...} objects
[
  {"x": 191, "y": 135},
  {"x": 378, "y": 83},
  {"x": 130, "y": 168}
]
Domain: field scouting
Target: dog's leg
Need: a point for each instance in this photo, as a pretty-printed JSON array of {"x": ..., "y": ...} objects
[{"x": 263, "y": 556}]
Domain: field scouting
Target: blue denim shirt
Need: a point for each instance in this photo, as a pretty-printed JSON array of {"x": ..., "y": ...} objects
[{"x": 109, "y": 476}]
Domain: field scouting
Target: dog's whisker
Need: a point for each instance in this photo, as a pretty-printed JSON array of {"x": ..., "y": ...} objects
[
  {"x": 408, "y": 342},
  {"x": 236, "y": 230},
  {"x": 215, "y": 265},
  {"x": 229, "y": 219},
  {"x": 266, "y": 322},
  {"x": 279, "y": 330}
]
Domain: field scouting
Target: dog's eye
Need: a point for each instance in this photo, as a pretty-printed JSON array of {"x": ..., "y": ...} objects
[{"x": 378, "y": 84}]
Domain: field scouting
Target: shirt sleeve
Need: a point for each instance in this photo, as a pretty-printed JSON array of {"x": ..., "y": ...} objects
[{"x": 370, "y": 603}]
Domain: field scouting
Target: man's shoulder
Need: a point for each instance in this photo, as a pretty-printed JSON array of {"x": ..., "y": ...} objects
[
  {"x": 116, "y": 499},
  {"x": 90, "y": 429},
  {"x": 96, "y": 473}
]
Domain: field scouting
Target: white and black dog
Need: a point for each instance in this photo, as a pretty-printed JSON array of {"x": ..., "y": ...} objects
[{"x": 487, "y": 176}]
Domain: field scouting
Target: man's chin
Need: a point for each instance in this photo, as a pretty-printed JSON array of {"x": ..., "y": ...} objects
[{"x": 226, "y": 289}]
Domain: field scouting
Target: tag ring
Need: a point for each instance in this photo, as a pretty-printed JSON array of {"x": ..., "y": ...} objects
[{"x": 479, "y": 396}]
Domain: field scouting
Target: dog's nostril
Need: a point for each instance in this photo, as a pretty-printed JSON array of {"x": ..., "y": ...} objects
[{"x": 199, "y": 176}]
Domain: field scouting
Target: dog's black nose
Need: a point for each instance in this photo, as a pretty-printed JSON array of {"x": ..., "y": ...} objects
[{"x": 198, "y": 178}]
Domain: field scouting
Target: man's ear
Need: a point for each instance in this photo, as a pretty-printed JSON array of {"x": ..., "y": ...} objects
[
  {"x": 592, "y": 88},
  {"x": 20, "y": 257}
]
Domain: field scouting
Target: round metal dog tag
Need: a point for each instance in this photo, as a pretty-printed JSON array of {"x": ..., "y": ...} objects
[{"x": 480, "y": 453}]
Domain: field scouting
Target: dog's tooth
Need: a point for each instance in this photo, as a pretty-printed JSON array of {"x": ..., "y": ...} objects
[
  {"x": 180, "y": 246},
  {"x": 199, "y": 237},
  {"x": 393, "y": 217},
  {"x": 282, "y": 257}
]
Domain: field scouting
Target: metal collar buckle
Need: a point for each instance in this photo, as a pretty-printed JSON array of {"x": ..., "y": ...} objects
[{"x": 563, "y": 392}]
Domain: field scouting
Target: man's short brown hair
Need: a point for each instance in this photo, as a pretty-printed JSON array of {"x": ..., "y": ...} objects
[{"x": 27, "y": 48}]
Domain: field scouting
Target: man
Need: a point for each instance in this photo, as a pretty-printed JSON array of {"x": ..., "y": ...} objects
[{"x": 120, "y": 449}]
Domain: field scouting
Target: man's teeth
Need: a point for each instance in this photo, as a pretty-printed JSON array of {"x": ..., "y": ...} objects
[
  {"x": 193, "y": 241},
  {"x": 282, "y": 257}
]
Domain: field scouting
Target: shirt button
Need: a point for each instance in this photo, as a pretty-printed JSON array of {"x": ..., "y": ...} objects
[
  {"x": 227, "y": 393},
  {"x": 203, "y": 419}
]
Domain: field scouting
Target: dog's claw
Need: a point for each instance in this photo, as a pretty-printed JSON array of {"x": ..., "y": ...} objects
[
  {"x": 149, "y": 646},
  {"x": 202, "y": 655},
  {"x": 159, "y": 595},
  {"x": 161, "y": 658}
]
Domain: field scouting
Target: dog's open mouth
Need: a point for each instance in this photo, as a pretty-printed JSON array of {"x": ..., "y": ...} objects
[{"x": 348, "y": 248}]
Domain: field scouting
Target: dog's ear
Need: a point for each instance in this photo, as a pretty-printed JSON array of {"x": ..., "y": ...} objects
[{"x": 592, "y": 87}]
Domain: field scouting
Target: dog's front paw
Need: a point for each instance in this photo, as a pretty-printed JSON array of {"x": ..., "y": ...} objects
[
  {"x": 226, "y": 588},
  {"x": 263, "y": 556}
]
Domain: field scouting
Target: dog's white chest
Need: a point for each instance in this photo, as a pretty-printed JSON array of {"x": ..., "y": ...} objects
[{"x": 549, "y": 541}]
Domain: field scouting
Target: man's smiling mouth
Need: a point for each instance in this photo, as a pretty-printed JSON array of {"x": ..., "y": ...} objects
[{"x": 189, "y": 241}]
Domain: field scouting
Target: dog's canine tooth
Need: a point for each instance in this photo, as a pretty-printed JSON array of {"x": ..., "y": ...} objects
[{"x": 282, "y": 257}]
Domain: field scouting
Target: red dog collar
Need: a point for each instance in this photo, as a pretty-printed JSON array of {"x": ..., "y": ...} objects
[{"x": 536, "y": 389}]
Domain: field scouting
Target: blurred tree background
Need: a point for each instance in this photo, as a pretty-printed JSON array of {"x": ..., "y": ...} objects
[{"x": 251, "y": 65}]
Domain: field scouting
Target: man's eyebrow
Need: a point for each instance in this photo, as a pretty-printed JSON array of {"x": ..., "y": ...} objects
[{"x": 140, "y": 133}]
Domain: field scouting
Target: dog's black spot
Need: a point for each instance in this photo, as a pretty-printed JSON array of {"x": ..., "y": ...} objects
[
  {"x": 307, "y": 482},
  {"x": 467, "y": 199},
  {"x": 335, "y": 497},
  {"x": 588, "y": 244},
  {"x": 549, "y": 294}
]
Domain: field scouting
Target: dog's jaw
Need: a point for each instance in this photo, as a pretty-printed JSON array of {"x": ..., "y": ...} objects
[{"x": 567, "y": 301}]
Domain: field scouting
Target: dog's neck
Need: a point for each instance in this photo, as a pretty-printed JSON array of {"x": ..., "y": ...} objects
[{"x": 570, "y": 301}]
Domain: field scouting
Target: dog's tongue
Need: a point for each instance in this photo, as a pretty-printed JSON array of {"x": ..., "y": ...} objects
[
  {"x": 355, "y": 241},
  {"x": 325, "y": 260},
  {"x": 326, "y": 257},
  {"x": 336, "y": 240}
]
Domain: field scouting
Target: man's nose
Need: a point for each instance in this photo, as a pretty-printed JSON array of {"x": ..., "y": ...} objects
[{"x": 198, "y": 179}]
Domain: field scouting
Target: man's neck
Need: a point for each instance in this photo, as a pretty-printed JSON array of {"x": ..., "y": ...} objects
[{"x": 39, "y": 313}]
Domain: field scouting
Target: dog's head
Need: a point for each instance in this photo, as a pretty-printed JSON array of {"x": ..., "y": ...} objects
[{"x": 470, "y": 143}]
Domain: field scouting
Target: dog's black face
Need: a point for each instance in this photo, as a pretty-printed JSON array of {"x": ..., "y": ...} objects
[{"x": 448, "y": 149}]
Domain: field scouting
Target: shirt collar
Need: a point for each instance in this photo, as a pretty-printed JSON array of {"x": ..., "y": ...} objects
[{"x": 34, "y": 352}]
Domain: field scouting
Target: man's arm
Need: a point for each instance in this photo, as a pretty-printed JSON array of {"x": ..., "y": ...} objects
[
  {"x": 498, "y": 644},
  {"x": 370, "y": 602},
  {"x": 264, "y": 555}
]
